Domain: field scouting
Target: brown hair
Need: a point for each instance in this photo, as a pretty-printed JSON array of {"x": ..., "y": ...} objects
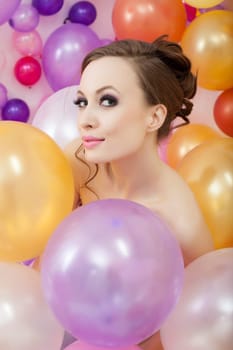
[{"x": 164, "y": 74}]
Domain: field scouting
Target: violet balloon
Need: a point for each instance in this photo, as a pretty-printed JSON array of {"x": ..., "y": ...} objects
[
  {"x": 25, "y": 18},
  {"x": 83, "y": 12},
  {"x": 112, "y": 272},
  {"x": 48, "y": 8},
  {"x": 16, "y": 109},
  {"x": 7, "y": 8},
  {"x": 64, "y": 51}
]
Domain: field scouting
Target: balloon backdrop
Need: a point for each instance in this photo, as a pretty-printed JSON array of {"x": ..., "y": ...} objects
[
  {"x": 223, "y": 112},
  {"x": 65, "y": 48},
  {"x": 112, "y": 272},
  {"x": 211, "y": 55},
  {"x": 203, "y": 317},
  {"x": 36, "y": 187},
  {"x": 208, "y": 170},
  {"x": 26, "y": 320},
  {"x": 58, "y": 115},
  {"x": 185, "y": 139},
  {"x": 148, "y": 19}
]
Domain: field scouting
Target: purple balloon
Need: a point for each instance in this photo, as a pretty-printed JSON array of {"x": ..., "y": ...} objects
[
  {"x": 48, "y": 8},
  {"x": 7, "y": 9},
  {"x": 25, "y": 18},
  {"x": 3, "y": 95},
  {"x": 64, "y": 51},
  {"x": 83, "y": 12},
  {"x": 15, "y": 109},
  {"x": 112, "y": 272}
]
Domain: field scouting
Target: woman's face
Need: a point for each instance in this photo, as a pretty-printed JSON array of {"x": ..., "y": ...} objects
[{"x": 113, "y": 113}]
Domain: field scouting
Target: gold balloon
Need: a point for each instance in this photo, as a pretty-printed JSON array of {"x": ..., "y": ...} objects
[
  {"x": 184, "y": 139},
  {"x": 208, "y": 42},
  {"x": 36, "y": 190},
  {"x": 203, "y": 3},
  {"x": 208, "y": 170}
]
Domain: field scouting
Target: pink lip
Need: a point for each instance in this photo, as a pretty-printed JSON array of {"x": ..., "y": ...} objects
[{"x": 91, "y": 142}]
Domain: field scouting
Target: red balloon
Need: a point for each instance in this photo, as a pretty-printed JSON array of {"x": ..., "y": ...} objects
[
  {"x": 223, "y": 112},
  {"x": 27, "y": 70},
  {"x": 148, "y": 19}
]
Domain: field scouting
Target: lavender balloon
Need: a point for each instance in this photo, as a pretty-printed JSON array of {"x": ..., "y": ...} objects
[
  {"x": 83, "y": 12},
  {"x": 7, "y": 8},
  {"x": 15, "y": 109},
  {"x": 3, "y": 95},
  {"x": 64, "y": 51},
  {"x": 112, "y": 272},
  {"x": 25, "y": 18}
]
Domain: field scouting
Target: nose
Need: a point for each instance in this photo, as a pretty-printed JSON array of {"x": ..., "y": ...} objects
[{"x": 87, "y": 119}]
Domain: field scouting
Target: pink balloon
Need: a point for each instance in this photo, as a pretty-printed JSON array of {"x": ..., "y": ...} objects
[
  {"x": 28, "y": 43},
  {"x": 57, "y": 116},
  {"x": 203, "y": 317},
  {"x": 84, "y": 346}
]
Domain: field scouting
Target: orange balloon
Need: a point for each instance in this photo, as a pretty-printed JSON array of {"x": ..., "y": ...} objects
[
  {"x": 208, "y": 170},
  {"x": 208, "y": 42},
  {"x": 184, "y": 139},
  {"x": 36, "y": 187},
  {"x": 147, "y": 19}
]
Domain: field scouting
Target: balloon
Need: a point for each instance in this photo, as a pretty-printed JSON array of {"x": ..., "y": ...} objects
[
  {"x": 37, "y": 190},
  {"x": 3, "y": 95},
  {"x": 223, "y": 112},
  {"x": 27, "y": 70},
  {"x": 191, "y": 12},
  {"x": 15, "y": 109},
  {"x": 112, "y": 272},
  {"x": 28, "y": 44},
  {"x": 148, "y": 19},
  {"x": 184, "y": 139},
  {"x": 57, "y": 116},
  {"x": 48, "y": 8},
  {"x": 203, "y": 317},
  {"x": 64, "y": 51},
  {"x": 211, "y": 55},
  {"x": 228, "y": 5},
  {"x": 208, "y": 170},
  {"x": 203, "y": 3},
  {"x": 7, "y": 8},
  {"x": 25, "y": 18},
  {"x": 26, "y": 320},
  {"x": 83, "y": 12},
  {"x": 83, "y": 346}
]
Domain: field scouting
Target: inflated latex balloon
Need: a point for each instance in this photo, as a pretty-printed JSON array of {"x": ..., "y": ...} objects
[
  {"x": 223, "y": 112},
  {"x": 112, "y": 272},
  {"x": 84, "y": 346},
  {"x": 83, "y": 12},
  {"x": 203, "y": 3},
  {"x": 37, "y": 190},
  {"x": 203, "y": 317},
  {"x": 58, "y": 116},
  {"x": 208, "y": 42},
  {"x": 64, "y": 51},
  {"x": 27, "y": 70},
  {"x": 208, "y": 170},
  {"x": 16, "y": 109},
  {"x": 7, "y": 8},
  {"x": 28, "y": 43},
  {"x": 25, "y": 18},
  {"x": 3, "y": 95},
  {"x": 148, "y": 19},
  {"x": 48, "y": 8},
  {"x": 185, "y": 139},
  {"x": 26, "y": 320}
]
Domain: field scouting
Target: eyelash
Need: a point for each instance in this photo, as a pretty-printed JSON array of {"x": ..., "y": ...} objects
[{"x": 81, "y": 100}]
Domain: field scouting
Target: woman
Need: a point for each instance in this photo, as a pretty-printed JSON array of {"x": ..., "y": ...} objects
[{"x": 129, "y": 95}]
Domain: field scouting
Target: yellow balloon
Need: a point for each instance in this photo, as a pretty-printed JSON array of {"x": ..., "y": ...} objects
[
  {"x": 208, "y": 42},
  {"x": 203, "y": 3},
  {"x": 36, "y": 190},
  {"x": 208, "y": 170}
]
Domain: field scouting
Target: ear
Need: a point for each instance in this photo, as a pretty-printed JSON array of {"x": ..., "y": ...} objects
[{"x": 156, "y": 117}]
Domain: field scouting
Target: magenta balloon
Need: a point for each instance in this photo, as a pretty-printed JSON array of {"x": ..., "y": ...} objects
[
  {"x": 203, "y": 318},
  {"x": 25, "y": 18},
  {"x": 7, "y": 8},
  {"x": 112, "y": 272},
  {"x": 64, "y": 51}
]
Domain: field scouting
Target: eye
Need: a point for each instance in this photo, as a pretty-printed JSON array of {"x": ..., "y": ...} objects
[
  {"x": 108, "y": 101},
  {"x": 81, "y": 102}
]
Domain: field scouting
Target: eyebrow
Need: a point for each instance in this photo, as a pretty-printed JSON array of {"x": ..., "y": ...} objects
[{"x": 98, "y": 91}]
